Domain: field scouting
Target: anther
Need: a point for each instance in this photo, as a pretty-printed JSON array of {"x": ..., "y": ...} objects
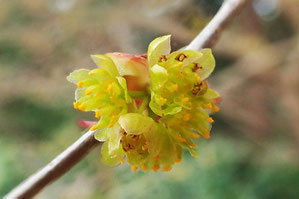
[
  {"x": 178, "y": 160},
  {"x": 164, "y": 100},
  {"x": 215, "y": 109},
  {"x": 198, "y": 79},
  {"x": 155, "y": 168},
  {"x": 93, "y": 128},
  {"x": 210, "y": 120},
  {"x": 193, "y": 145},
  {"x": 134, "y": 168},
  {"x": 87, "y": 92},
  {"x": 144, "y": 167},
  {"x": 110, "y": 88},
  {"x": 80, "y": 84},
  {"x": 167, "y": 168},
  {"x": 185, "y": 100},
  {"x": 97, "y": 114},
  {"x": 186, "y": 117},
  {"x": 156, "y": 158},
  {"x": 180, "y": 57},
  {"x": 163, "y": 58},
  {"x": 206, "y": 134},
  {"x": 81, "y": 107},
  {"x": 181, "y": 139},
  {"x": 195, "y": 136},
  {"x": 175, "y": 86},
  {"x": 75, "y": 105},
  {"x": 209, "y": 106}
]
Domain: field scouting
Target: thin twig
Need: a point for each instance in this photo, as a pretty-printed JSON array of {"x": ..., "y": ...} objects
[
  {"x": 210, "y": 34},
  {"x": 72, "y": 155},
  {"x": 56, "y": 168}
]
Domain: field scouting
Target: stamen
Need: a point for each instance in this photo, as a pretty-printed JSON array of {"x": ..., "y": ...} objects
[
  {"x": 81, "y": 107},
  {"x": 144, "y": 167},
  {"x": 210, "y": 120},
  {"x": 206, "y": 134},
  {"x": 97, "y": 114},
  {"x": 110, "y": 88},
  {"x": 80, "y": 84},
  {"x": 175, "y": 86},
  {"x": 193, "y": 145},
  {"x": 87, "y": 92},
  {"x": 167, "y": 168},
  {"x": 198, "y": 79},
  {"x": 94, "y": 127},
  {"x": 181, "y": 139},
  {"x": 122, "y": 161},
  {"x": 181, "y": 57},
  {"x": 209, "y": 106},
  {"x": 164, "y": 100},
  {"x": 76, "y": 105},
  {"x": 186, "y": 117},
  {"x": 216, "y": 109},
  {"x": 185, "y": 100},
  {"x": 134, "y": 168},
  {"x": 195, "y": 136},
  {"x": 178, "y": 160},
  {"x": 180, "y": 64},
  {"x": 163, "y": 58},
  {"x": 155, "y": 168},
  {"x": 156, "y": 158}
]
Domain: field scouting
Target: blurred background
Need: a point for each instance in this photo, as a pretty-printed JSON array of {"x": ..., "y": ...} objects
[{"x": 254, "y": 149}]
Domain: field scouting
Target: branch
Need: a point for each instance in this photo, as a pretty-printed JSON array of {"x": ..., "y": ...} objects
[
  {"x": 56, "y": 168},
  {"x": 72, "y": 155},
  {"x": 210, "y": 34}
]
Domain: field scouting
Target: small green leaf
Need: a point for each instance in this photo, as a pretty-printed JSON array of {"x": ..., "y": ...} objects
[
  {"x": 158, "y": 76},
  {"x": 105, "y": 62},
  {"x": 207, "y": 62},
  {"x": 111, "y": 159},
  {"x": 135, "y": 123},
  {"x": 78, "y": 75},
  {"x": 123, "y": 83},
  {"x": 158, "y": 47}
]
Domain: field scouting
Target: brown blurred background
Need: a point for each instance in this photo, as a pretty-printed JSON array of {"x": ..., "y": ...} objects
[{"x": 254, "y": 150}]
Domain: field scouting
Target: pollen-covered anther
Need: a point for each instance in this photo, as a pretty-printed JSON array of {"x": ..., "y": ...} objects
[
  {"x": 185, "y": 100},
  {"x": 181, "y": 57},
  {"x": 181, "y": 139},
  {"x": 144, "y": 147},
  {"x": 186, "y": 117},
  {"x": 163, "y": 58},
  {"x": 216, "y": 109},
  {"x": 210, "y": 120},
  {"x": 167, "y": 168},
  {"x": 144, "y": 167},
  {"x": 110, "y": 88},
  {"x": 122, "y": 161},
  {"x": 81, "y": 107},
  {"x": 178, "y": 160},
  {"x": 156, "y": 158},
  {"x": 80, "y": 84},
  {"x": 180, "y": 64},
  {"x": 88, "y": 92},
  {"x": 155, "y": 168},
  {"x": 164, "y": 100},
  {"x": 193, "y": 145},
  {"x": 195, "y": 136},
  {"x": 206, "y": 134},
  {"x": 175, "y": 86},
  {"x": 76, "y": 105},
  {"x": 93, "y": 128},
  {"x": 112, "y": 120},
  {"x": 134, "y": 168},
  {"x": 208, "y": 106},
  {"x": 97, "y": 114},
  {"x": 198, "y": 79}
]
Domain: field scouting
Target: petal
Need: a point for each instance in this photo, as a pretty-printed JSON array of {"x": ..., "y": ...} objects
[
  {"x": 158, "y": 47},
  {"x": 158, "y": 76},
  {"x": 78, "y": 75},
  {"x": 105, "y": 62},
  {"x": 211, "y": 94},
  {"x": 135, "y": 123},
  {"x": 101, "y": 135},
  {"x": 114, "y": 134},
  {"x": 207, "y": 62},
  {"x": 111, "y": 159},
  {"x": 123, "y": 83},
  {"x": 132, "y": 66}
]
